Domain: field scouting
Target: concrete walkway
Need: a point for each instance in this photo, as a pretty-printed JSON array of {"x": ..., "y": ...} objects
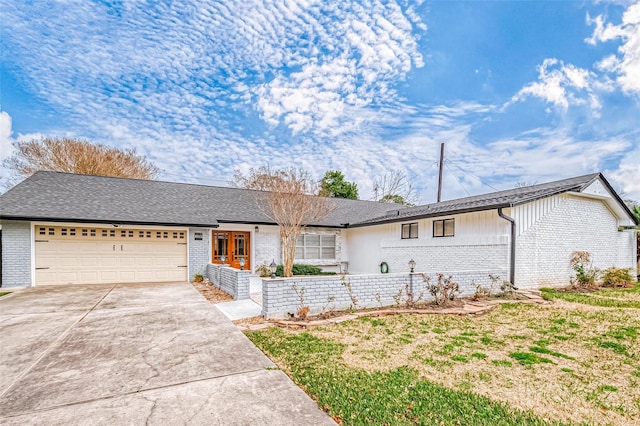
[
  {"x": 136, "y": 354},
  {"x": 247, "y": 308}
]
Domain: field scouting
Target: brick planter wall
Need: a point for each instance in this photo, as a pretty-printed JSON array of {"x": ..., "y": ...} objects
[
  {"x": 282, "y": 297},
  {"x": 230, "y": 280}
]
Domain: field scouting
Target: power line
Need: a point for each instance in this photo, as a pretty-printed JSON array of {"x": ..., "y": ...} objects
[
  {"x": 459, "y": 181},
  {"x": 470, "y": 175}
]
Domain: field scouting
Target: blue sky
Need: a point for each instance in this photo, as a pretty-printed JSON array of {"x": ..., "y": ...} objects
[{"x": 518, "y": 91}]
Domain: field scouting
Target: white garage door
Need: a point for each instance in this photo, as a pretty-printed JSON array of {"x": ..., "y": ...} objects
[{"x": 85, "y": 255}]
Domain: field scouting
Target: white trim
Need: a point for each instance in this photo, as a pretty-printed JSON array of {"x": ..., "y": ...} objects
[
  {"x": 32, "y": 245},
  {"x": 109, "y": 225}
]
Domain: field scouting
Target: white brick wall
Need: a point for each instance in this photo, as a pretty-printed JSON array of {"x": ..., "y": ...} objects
[
  {"x": 574, "y": 223},
  {"x": 230, "y": 280},
  {"x": 16, "y": 254},
  {"x": 199, "y": 251},
  {"x": 266, "y": 243},
  {"x": 447, "y": 258},
  {"x": 280, "y": 298}
]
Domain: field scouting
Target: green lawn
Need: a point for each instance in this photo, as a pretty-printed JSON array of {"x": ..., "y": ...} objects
[
  {"x": 4, "y": 293},
  {"x": 564, "y": 363}
]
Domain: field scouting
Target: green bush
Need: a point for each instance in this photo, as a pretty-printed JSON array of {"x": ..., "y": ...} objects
[
  {"x": 617, "y": 277},
  {"x": 300, "y": 269}
]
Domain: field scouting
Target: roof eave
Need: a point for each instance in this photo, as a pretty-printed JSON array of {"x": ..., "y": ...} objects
[
  {"x": 119, "y": 222},
  {"x": 429, "y": 215}
]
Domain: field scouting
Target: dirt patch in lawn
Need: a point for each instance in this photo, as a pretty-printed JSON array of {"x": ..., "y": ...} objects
[
  {"x": 212, "y": 293},
  {"x": 564, "y": 361}
]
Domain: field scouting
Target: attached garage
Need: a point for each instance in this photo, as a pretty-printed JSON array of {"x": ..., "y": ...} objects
[{"x": 94, "y": 255}]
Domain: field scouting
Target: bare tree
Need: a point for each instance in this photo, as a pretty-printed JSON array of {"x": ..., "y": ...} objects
[
  {"x": 525, "y": 183},
  {"x": 290, "y": 200},
  {"x": 78, "y": 156},
  {"x": 394, "y": 187}
]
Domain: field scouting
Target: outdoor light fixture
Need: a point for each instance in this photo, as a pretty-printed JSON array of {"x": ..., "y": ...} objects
[
  {"x": 273, "y": 268},
  {"x": 257, "y": 229},
  {"x": 242, "y": 263},
  {"x": 222, "y": 259},
  {"x": 412, "y": 267}
]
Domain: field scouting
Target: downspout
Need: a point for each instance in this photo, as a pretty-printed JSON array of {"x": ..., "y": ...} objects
[{"x": 512, "y": 247}]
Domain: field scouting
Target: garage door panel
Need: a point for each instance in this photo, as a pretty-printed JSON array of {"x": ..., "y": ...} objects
[
  {"x": 144, "y": 261},
  {"x": 88, "y": 277},
  {"x": 89, "y": 261},
  {"x": 96, "y": 255},
  {"x": 111, "y": 261},
  {"x": 68, "y": 261},
  {"x": 127, "y": 261},
  {"x": 127, "y": 276}
]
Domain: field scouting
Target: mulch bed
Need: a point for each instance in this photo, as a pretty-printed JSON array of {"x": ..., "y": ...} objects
[{"x": 212, "y": 293}]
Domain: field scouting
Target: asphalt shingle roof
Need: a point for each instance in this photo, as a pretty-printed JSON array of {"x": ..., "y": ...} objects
[
  {"x": 52, "y": 196},
  {"x": 494, "y": 200},
  {"x": 82, "y": 198}
]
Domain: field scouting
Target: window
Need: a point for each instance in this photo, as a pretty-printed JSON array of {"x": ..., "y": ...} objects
[
  {"x": 409, "y": 230},
  {"x": 314, "y": 246},
  {"x": 444, "y": 228}
]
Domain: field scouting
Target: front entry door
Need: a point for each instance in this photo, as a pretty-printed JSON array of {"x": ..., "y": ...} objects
[{"x": 233, "y": 245}]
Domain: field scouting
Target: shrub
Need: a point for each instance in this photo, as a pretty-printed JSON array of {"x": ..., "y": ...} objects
[
  {"x": 586, "y": 274},
  {"x": 198, "y": 278},
  {"x": 617, "y": 277},
  {"x": 301, "y": 269},
  {"x": 444, "y": 290}
]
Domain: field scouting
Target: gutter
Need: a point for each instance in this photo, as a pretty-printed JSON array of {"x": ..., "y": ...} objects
[{"x": 512, "y": 247}]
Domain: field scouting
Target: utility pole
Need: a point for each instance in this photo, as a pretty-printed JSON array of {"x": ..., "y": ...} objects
[{"x": 440, "y": 171}]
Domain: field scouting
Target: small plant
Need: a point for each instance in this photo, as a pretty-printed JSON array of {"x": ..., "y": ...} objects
[
  {"x": 617, "y": 277},
  {"x": 330, "y": 299},
  {"x": 582, "y": 265},
  {"x": 354, "y": 300},
  {"x": 302, "y": 313},
  {"x": 410, "y": 300},
  {"x": 303, "y": 310},
  {"x": 444, "y": 291},
  {"x": 198, "y": 278},
  {"x": 263, "y": 270},
  {"x": 482, "y": 292},
  {"x": 508, "y": 289},
  {"x": 379, "y": 299}
]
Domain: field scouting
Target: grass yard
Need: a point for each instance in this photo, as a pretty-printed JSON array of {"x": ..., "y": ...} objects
[
  {"x": 4, "y": 293},
  {"x": 576, "y": 361}
]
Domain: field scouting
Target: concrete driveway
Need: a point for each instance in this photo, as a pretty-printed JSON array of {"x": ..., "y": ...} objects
[{"x": 136, "y": 354}]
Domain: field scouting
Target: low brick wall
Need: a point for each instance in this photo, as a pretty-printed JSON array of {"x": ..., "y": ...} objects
[
  {"x": 230, "y": 280},
  {"x": 283, "y": 297}
]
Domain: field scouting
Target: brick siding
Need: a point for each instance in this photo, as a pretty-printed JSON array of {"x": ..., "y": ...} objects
[{"x": 16, "y": 254}]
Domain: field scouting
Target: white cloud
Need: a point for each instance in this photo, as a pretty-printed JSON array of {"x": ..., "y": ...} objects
[
  {"x": 625, "y": 65},
  {"x": 627, "y": 175},
  {"x": 563, "y": 85},
  {"x": 6, "y": 147}
]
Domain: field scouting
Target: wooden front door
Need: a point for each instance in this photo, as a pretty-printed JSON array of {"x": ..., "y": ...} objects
[{"x": 233, "y": 245}]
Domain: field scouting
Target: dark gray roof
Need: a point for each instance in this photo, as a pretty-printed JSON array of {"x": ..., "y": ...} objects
[
  {"x": 53, "y": 196},
  {"x": 494, "y": 200}
]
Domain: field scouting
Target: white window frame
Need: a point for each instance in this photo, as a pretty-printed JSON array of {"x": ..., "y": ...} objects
[{"x": 306, "y": 247}]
